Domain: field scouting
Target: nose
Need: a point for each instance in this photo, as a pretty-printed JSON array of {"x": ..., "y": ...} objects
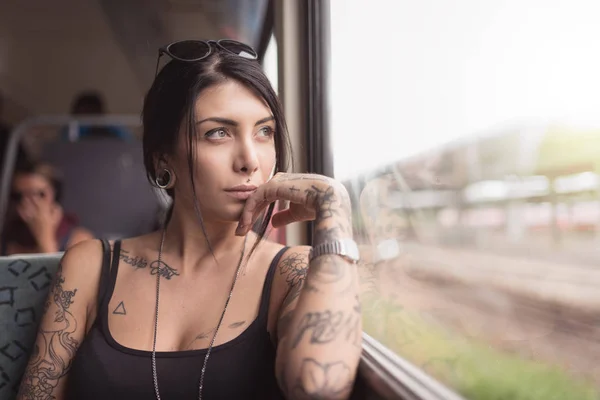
[{"x": 246, "y": 160}]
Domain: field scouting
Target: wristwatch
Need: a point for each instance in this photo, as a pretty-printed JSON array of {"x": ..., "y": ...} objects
[{"x": 346, "y": 248}]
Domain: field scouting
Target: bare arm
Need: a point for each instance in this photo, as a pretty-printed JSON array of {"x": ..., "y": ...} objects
[
  {"x": 320, "y": 326},
  {"x": 62, "y": 328}
]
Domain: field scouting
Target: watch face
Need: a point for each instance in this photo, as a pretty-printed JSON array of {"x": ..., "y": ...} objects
[{"x": 351, "y": 249}]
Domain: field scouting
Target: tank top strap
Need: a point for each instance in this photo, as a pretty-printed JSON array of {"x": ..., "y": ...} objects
[
  {"x": 263, "y": 312},
  {"x": 108, "y": 277}
]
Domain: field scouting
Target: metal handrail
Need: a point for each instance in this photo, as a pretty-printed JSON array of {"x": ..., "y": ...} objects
[
  {"x": 53, "y": 120},
  {"x": 393, "y": 377}
]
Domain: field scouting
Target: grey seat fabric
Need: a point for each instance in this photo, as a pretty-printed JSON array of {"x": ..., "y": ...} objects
[
  {"x": 105, "y": 186},
  {"x": 25, "y": 281}
]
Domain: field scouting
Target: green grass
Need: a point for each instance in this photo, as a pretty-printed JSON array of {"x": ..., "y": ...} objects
[{"x": 473, "y": 369}]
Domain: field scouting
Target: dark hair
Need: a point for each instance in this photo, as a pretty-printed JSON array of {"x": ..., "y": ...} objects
[
  {"x": 170, "y": 102},
  {"x": 47, "y": 171},
  {"x": 88, "y": 102}
]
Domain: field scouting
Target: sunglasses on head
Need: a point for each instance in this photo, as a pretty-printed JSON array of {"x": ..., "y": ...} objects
[{"x": 196, "y": 50}]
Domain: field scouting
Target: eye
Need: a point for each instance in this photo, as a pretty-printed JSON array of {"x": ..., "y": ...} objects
[
  {"x": 217, "y": 133},
  {"x": 266, "y": 131}
]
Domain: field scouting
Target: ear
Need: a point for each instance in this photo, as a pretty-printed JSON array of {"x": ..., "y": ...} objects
[{"x": 161, "y": 161}]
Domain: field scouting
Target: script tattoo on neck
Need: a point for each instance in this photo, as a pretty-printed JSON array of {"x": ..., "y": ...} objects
[
  {"x": 163, "y": 269},
  {"x": 140, "y": 263},
  {"x": 136, "y": 262}
]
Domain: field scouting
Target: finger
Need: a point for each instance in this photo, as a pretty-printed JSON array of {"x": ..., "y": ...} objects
[
  {"x": 267, "y": 194},
  {"x": 27, "y": 206},
  {"x": 290, "y": 215},
  {"x": 254, "y": 205},
  {"x": 25, "y": 212},
  {"x": 242, "y": 229}
]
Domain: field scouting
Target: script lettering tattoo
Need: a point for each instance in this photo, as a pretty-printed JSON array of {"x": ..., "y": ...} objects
[
  {"x": 136, "y": 262},
  {"x": 55, "y": 347},
  {"x": 163, "y": 269},
  {"x": 326, "y": 326},
  {"x": 323, "y": 380}
]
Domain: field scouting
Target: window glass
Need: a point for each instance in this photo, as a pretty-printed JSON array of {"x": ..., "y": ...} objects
[
  {"x": 468, "y": 134},
  {"x": 270, "y": 63}
]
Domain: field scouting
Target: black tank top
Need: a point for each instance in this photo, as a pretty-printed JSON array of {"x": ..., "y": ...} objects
[{"x": 243, "y": 368}]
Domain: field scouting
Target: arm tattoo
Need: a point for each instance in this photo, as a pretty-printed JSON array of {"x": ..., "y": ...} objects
[
  {"x": 54, "y": 352},
  {"x": 325, "y": 202},
  {"x": 294, "y": 267},
  {"x": 326, "y": 326},
  {"x": 323, "y": 380}
]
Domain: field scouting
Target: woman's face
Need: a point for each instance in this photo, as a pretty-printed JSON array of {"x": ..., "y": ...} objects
[
  {"x": 235, "y": 151},
  {"x": 33, "y": 187}
]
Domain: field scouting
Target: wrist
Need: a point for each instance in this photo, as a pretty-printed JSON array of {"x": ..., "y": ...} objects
[
  {"x": 335, "y": 228},
  {"x": 47, "y": 243}
]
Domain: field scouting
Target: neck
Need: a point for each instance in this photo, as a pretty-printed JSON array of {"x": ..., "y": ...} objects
[{"x": 185, "y": 239}]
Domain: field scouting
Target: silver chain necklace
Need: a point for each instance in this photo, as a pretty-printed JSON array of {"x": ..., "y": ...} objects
[{"x": 158, "y": 273}]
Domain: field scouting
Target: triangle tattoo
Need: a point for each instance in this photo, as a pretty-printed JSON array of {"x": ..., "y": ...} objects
[{"x": 120, "y": 310}]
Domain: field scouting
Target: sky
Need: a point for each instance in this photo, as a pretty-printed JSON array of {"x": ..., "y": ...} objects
[{"x": 411, "y": 75}]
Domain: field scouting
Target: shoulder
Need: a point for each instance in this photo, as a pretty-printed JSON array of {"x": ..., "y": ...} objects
[
  {"x": 81, "y": 266},
  {"x": 82, "y": 258},
  {"x": 292, "y": 266},
  {"x": 79, "y": 235}
]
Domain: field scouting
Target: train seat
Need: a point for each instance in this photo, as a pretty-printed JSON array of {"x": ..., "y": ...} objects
[{"x": 25, "y": 281}]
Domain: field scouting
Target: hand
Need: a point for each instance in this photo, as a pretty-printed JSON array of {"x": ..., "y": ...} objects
[
  {"x": 311, "y": 197},
  {"x": 41, "y": 216}
]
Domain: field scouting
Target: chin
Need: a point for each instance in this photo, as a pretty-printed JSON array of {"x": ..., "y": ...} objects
[{"x": 229, "y": 212}]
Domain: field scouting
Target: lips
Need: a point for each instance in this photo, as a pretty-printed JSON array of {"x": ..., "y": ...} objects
[
  {"x": 241, "y": 192},
  {"x": 242, "y": 188}
]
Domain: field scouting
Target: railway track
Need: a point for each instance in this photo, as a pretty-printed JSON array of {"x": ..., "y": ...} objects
[{"x": 554, "y": 330}]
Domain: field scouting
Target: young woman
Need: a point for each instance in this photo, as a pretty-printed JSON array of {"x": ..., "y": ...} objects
[
  {"x": 36, "y": 222},
  {"x": 205, "y": 308}
]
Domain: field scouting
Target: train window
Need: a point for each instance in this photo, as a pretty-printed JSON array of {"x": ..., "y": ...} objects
[
  {"x": 270, "y": 63},
  {"x": 468, "y": 134}
]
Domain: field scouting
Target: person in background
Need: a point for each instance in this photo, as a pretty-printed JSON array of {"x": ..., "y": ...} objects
[
  {"x": 35, "y": 221},
  {"x": 91, "y": 103}
]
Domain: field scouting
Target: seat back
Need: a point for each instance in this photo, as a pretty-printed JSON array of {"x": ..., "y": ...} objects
[
  {"x": 25, "y": 281},
  {"x": 105, "y": 185}
]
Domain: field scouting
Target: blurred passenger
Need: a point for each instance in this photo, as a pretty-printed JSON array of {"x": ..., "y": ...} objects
[
  {"x": 36, "y": 222},
  {"x": 91, "y": 103},
  {"x": 215, "y": 139}
]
